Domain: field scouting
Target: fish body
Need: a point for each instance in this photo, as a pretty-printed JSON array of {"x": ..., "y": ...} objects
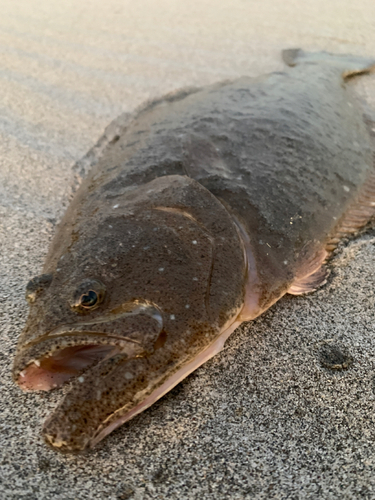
[{"x": 207, "y": 208}]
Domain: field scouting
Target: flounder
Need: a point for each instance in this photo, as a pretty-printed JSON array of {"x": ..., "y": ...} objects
[{"x": 209, "y": 206}]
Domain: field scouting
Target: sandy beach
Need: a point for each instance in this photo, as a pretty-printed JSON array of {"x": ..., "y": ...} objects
[{"x": 265, "y": 418}]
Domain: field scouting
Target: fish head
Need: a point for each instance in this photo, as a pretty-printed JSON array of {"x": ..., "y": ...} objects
[{"x": 129, "y": 296}]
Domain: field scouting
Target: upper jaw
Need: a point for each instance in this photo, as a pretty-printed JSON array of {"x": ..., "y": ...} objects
[
  {"x": 67, "y": 350},
  {"x": 54, "y": 361}
]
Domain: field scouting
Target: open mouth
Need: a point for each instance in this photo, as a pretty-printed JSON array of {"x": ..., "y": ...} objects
[
  {"x": 69, "y": 350},
  {"x": 53, "y": 370}
]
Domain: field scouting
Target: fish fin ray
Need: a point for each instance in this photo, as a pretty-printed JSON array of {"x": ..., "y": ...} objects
[
  {"x": 311, "y": 275},
  {"x": 310, "y": 283},
  {"x": 360, "y": 213},
  {"x": 349, "y": 65}
]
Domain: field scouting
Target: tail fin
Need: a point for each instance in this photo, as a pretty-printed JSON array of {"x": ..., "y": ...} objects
[{"x": 349, "y": 65}]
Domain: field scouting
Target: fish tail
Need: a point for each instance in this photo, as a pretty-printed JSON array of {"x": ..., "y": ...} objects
[{"x": 348, "y": 65}]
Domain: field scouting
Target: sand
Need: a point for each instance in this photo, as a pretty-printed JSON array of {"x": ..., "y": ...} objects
[{"x": 263, "y": 419}]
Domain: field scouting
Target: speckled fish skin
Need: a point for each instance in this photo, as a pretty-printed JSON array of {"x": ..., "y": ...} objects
[{"x": 210, "y": 206}]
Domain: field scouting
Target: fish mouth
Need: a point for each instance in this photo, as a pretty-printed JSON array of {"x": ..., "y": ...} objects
[
  {"x": 56, "y": 367},
  {"x": 115, "y": 377},
  {"x": 67, "y": 351}
]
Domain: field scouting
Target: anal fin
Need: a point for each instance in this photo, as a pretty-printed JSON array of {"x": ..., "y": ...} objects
[
  {"x": 362, "y": 210},
  {"x": 359, "y": 214}
]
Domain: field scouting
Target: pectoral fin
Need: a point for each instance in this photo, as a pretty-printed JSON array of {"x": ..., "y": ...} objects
[
  {"x": 310, "y": 283},
  {"x": 312, "y": 275}
]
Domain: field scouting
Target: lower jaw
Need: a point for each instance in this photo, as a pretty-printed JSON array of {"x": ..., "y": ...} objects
[
  {"x": 112, "y": 422},
  {"x": 116, "y": 419}
]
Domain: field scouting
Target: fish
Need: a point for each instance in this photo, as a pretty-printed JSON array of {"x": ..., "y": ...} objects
[{"x": 207, "y": 207}]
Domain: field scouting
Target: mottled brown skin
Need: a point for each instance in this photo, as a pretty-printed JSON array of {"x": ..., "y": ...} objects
[
  {"x": 191, "y": 268},
  {"x": 163, "y": 222}
]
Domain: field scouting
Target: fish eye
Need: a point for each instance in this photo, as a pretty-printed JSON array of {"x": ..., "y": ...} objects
[
  {"x": 89, "y": 299},
  {"x": 88, "y": 296}
]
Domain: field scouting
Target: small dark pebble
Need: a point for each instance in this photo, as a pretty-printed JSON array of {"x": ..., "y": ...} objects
[
  {"x": 299, "y": 412},
  {"x": 334, "y": 357},
  {"x": 160, "y": 476},
  {"x": 124, "y": 492},
  {"x": 43, "y": 464}
]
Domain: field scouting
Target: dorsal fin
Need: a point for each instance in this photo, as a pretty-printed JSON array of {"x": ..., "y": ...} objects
[{"x": 349, "y": 65}]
